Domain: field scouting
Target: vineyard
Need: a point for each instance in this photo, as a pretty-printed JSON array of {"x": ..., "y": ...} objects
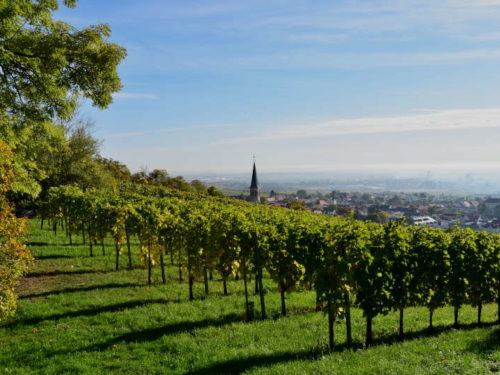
[
  {"x": 377, "y": 268},
  {"x": 78, "y": 314}
]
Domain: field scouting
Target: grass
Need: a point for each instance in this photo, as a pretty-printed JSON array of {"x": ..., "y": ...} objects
[{"x": 78, "y": 316}]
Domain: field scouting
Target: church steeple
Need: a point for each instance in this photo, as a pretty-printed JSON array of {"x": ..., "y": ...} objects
[{"x": 254, "y": 187}]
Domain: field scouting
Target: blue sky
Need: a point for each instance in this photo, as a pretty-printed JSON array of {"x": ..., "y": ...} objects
[{"x": 354, "y": 85}]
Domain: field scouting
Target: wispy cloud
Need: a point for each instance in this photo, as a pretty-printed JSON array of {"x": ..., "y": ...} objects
[
  {"x": 429, "y": 120},
  {"x": 160, "y": 131},
  {"x": 305, "y": 59},
  {"x": 129, "y": 95}
]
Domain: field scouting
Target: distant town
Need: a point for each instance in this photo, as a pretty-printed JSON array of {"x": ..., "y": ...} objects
[{"x": 416, "y": 208}]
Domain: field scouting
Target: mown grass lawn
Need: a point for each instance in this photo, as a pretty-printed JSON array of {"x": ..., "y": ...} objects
[{"x": 77, "y": 315}]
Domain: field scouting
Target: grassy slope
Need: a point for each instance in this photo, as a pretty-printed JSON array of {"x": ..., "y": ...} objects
[{"x": 77, "y": 315}]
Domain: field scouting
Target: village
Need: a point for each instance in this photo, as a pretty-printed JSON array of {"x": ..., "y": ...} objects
[{"x": 415, "y": 208}]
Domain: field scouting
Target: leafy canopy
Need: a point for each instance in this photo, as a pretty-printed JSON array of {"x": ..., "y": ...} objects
[{"x": 46, "y": 64}]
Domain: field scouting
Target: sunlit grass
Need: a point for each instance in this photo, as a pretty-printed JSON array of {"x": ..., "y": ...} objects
[{"x": 78, "y": 315}]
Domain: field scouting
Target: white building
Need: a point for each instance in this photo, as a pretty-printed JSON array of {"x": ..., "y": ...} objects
[{"x": 424, "y": 221}]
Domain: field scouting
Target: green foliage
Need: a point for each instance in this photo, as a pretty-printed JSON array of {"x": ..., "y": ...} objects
[
  {"x": 47, "y": 64},
  {"x": 297, "y": 205},
  {"x": 430, "y": 281},
  {"x": 14, "y": 256},
  {"x": 377, "y": 268},
  {"x": 87, "y": 318},
  {"x": 462, "y": 243}
]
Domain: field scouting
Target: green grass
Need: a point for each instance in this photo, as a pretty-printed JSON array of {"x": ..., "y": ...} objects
[{"x": 78, "y": 316}]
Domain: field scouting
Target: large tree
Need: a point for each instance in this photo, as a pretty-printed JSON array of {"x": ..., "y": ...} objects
[{"x": 46, "y": 66}]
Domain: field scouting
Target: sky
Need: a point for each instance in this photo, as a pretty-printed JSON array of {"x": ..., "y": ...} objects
[{"x": 305, "y": 85}]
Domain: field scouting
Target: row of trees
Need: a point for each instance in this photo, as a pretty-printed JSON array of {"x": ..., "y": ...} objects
[{"x": 377, "y": 268}]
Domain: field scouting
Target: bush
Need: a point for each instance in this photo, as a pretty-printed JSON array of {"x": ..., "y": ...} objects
[{"x": 14, "y": 256}]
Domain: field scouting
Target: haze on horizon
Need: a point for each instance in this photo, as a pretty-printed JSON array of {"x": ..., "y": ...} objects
[{"x": 308, "y": 86}]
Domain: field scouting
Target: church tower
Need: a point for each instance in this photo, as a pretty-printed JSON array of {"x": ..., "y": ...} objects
[{"x": 254, "y": 187}]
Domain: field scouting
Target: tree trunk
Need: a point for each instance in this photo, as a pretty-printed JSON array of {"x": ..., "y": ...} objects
[
  {"x": 246, "y": 292},
  {"x": 205, "y": 278},
  {"x": 103, "y": 248},
  {"x": 180, "y": 273},
  {"x": 129, "y": 251},
  {"x": 117, "y": 261},
  {"x": 261, "y": 286},
  {"x": 211, "y": 276},
  {"x": 41, "y": 224},
  {"x": 401, "y": 323},
  {"x": 70, "y": 239},
  {"x": 455, "y": 316},
  {"x": 150, "y": 265},
  {"x": 369, "y": 332},
  {"x": 91, "y": 248},
  {"x": 498, "y": 305},
  {"x": 224, "y": 284},
  {"x": 348, "y": 324},
  {"x": 237, "y": 276},
  {"x": 283, "y": 303},
  {"x": 431, "y": 315},
  {"x": 331, "y": 326},
  {"x": 171, "y": 258},
  {"x": 318, "y": 303},
  {"x": 479, "y": 311},
  {"x": 256, "y": 284},
  {"x": 162, "y": 264},
  {"x": 91, "y": 245},
  {"x": 191, "y": 281}
]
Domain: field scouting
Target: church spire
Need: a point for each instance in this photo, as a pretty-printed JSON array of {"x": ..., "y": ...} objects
[
  {"x": 254, "y": 186},
  {"x": 255, "y": 181}
]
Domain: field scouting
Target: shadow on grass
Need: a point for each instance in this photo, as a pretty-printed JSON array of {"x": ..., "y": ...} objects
[
  {"x": 152, "y": 334},
  {"x": 489, "y": 345},
  {"x": 240, "y": 365},
  {"x": 61, "y": 272},
  {"x": 81, "y": 289},
  {"x": 44, "y": 257},
  {"x": 36, "y": 243},
  {"x": 87, "y": 312}
]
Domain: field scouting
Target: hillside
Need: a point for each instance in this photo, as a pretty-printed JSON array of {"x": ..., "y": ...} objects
[{"x": 77, "y": 315}]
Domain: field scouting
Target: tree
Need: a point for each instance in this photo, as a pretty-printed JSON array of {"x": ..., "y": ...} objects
[
  {"x": 298, "y": 206},
  {"x": 117, "y": 169},
  {"x": 378, "y": 216},
  {"x": 76, "y": 161},
  {"x": 345, "y": 211},
  {"x": 373, "y": 279},
  {"x": 462, "y": 243},
  {"x": 45, "y": 64},
  {"x": 45, "y": 67},
  {"x": 33, "y": 145},
  {"x": 214, "y": 192},
  {"x": 402, "y": 267},
  {"x": 433, "y": 268},
  {"x": 158, "y": 177},
  {"x": 334, "y": 277},
  {"x": 302, "y": 194},
  {"x": 14, "y": 257},
  {"x": 198, "y": 186},
  {"x": 282, "y": 266},
  {"x": 335, "y": 194},
  {"x": 480, "y": 271}
]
